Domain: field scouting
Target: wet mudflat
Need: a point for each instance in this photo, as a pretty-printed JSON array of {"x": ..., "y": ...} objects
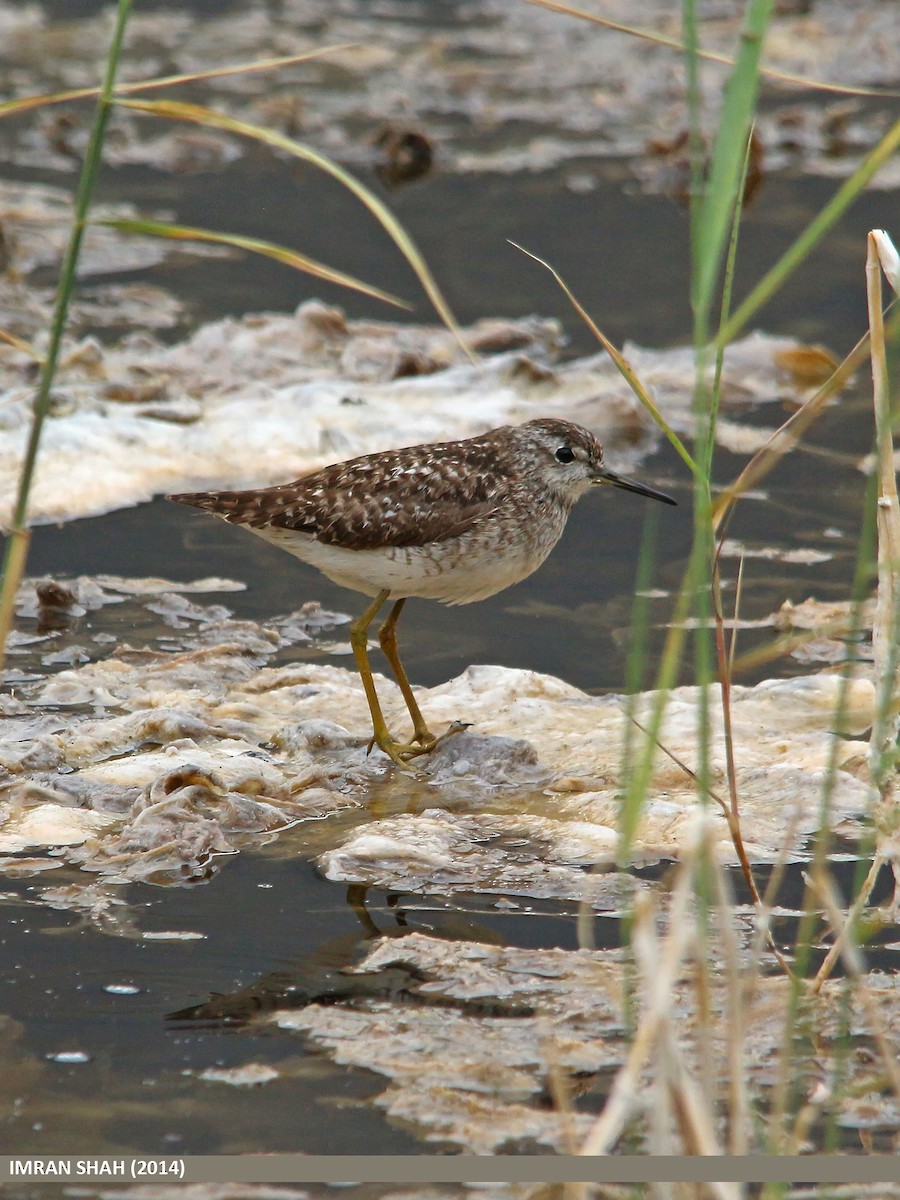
[{"x": 263, "y": 909}]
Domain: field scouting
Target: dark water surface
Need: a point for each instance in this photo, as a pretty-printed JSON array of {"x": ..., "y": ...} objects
[{"x": 625, "y": 255}]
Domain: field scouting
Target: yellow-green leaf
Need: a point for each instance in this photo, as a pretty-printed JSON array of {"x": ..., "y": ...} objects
[
  {"x": 199, "y": 115},
  {"x": 625, "y": 368},
  {"x": 282, "y": 254}
]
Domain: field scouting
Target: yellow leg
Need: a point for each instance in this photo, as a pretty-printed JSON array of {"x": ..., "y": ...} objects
[
  {"x": 424, "y": 740},
  {"x": 397, "y": 752},
  {"x": 387, "y": 637},
  {"x": 359, "y": 640}
]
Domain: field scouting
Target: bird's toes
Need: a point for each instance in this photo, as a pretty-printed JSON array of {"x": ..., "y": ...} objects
[
  {"x": 435, "y": 742},
  {"x": 423, "y": 742},
  {"x": 398, "y": 752}
]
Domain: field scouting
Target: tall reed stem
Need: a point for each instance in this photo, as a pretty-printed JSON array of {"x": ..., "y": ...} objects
[{"x": 17, "y": 546}]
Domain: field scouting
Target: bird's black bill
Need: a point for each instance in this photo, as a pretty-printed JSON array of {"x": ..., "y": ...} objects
[{"x": 631, "y": 485}]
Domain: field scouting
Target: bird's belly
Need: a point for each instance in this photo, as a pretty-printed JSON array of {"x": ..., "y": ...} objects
[{"x": 458, "y": 571}]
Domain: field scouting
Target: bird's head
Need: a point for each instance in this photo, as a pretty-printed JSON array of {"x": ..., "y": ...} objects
[{"x": 569, "y": 460}]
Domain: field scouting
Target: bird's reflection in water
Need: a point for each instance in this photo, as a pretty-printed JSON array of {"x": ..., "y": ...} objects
[{"x": 329, "y": 974}]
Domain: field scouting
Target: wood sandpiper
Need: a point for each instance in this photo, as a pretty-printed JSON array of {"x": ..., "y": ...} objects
[{"x": 450, "y": 521}]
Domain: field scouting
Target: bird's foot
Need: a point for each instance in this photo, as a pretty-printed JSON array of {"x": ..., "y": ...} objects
[
  {"x": 398, "y": 752},
  {"x": 432, "y": 743},
  {"x": 423, "y": 742}
]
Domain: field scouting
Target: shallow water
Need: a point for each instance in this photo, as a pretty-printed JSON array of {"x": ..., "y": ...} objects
[{"x": 268, "y": 911}]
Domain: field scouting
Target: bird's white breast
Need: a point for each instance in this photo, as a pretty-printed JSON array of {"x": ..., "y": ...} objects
[{"x": 456, "y": 571}]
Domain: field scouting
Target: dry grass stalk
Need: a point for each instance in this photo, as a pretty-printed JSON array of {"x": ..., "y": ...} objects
[
  {"x": 671, "y": 43},
  {"x": 786, "y": 437},
  {"x": 676, "y": 1100},
  {"x": 703, "y": 989},
  {"x": 623, "y": 1099},
  {"x": 561, "y": 1095},
  {"x": 846, "y": 930},
  {"x": 676, "y": 1097},
  {"x": 24, "y": 104},
  {"x": 734, "y": 829},
  {"x": 823, "y": 885},
  {"x": 724, "y": 660},
  {"x": 738, "y": 992},
  {"x": 882, "y": 256}
]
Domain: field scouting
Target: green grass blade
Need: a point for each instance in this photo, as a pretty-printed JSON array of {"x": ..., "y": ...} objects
[
  {"x": 282, "y": 254},
  {"x": 17, "y": 546},
  {"x": 727, "y": 163},
  {"x": 812, "y": 234},
  {"x": 199, "y": 115},
  {"x": 727, "y": 288},
  {"x": 696, "y": 142}
]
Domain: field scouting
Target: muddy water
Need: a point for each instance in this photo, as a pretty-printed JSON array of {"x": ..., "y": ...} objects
[{"x": 68, "y": 989}]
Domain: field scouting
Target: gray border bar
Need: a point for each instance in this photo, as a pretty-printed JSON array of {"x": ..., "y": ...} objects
[{"x": 391, "y": 1168}]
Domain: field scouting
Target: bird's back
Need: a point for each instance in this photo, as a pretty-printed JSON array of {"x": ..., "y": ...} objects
[{"x": 414, "y": 496}]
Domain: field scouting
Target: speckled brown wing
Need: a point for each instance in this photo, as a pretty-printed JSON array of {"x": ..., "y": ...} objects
[{"x": 407, "y": 497}]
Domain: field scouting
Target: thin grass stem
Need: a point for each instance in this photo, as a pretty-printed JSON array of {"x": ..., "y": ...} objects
[
  {"x": 776, "y": 276},
  {"x": 282, "y": 254},
  {"x": 660, "y": 39},
  {"x": 27, "y": 103},
  {"x": 199, "y": 115},
  {"x": 886, "y": 624},
  {"x": 16, "y": 551}
]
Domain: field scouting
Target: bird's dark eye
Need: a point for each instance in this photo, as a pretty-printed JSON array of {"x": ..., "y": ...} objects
[{"x": 565, "y": 454}]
